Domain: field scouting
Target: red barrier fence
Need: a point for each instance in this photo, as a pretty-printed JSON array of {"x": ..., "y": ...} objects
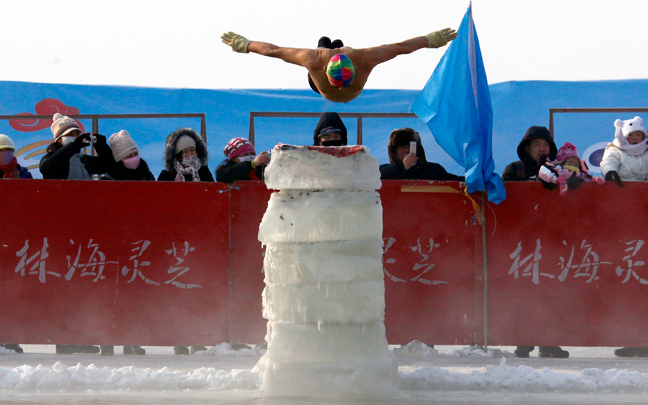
[{"x": 178, "y": 264}]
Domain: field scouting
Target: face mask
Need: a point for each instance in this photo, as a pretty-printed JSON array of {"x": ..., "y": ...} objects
[
  {"x": 67, "y": 139},
  {"x": 191, "y": 160},
  {"x": 246, "y": 158},
  {"x": 6, "y": 156},
  {"x": 334, "y": 142},
  {"x": 132, "y": 163}
]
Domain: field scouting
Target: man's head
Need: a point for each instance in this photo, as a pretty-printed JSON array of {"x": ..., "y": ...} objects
[
  {"x": 330, "y": 131},
  {"x": 398, "y": 145},
  {"x": 537, "y": 142},
  {"x": 340, "y": 71}
]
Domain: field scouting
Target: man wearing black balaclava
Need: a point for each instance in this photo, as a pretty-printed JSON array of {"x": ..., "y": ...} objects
[{"x": 330, "y": 131}]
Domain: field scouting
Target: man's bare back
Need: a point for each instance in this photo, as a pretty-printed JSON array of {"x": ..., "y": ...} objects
[{"x": 316, "y": 60}]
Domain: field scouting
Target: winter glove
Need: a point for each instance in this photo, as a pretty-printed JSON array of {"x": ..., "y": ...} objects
[
  {"x": 100, "y": 139},
  {"x": 237, "y": 42},
  {"x": 575, "y": 181},
  {"x": 614, "y": 176},
  {"x": 437, "y": 39},
  {"x": 81, "y": 141}
]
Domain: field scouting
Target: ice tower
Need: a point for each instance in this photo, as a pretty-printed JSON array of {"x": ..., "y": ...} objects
[{"x": 325, "y": 295}]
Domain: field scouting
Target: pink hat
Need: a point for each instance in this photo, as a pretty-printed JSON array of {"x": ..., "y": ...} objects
[
  {"x": 566, "y": 151},
  {"x": 238, "y": 147}
]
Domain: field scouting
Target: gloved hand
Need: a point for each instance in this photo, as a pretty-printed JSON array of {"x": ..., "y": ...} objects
[
  {"x": 437, "y": 39},
  {"x": 82, "y": 141},
  {"x": 575, "y": 181},
  {"x": 237, "y": 42},
  {"x": 614, "y": 176},
  {"x": 100, "y": 139}
]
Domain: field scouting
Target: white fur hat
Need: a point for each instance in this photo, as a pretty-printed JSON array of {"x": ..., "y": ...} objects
[
  {"x": 122, "y": 145},
  {"x": 629, "y": 126},
  {"x": 6, "y": 143},
  {"x": 184, "y": 142},
  {"x": 63, "y": 125}
]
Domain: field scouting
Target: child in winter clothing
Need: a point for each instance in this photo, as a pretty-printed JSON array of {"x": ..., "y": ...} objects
[
  {"x": 128, "y": 163},
  {"x": 64, "y": 159},
  {"x": 185, "y": 157},
  {"x": 568, "y": 170},
  {"x": 9, "y": 167},
  {"x": 626, "y": 158},
  {"x": 241, "y": 163}
]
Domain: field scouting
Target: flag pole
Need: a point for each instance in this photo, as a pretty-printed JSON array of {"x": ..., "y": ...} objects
[{"x": 485, "y": 269}]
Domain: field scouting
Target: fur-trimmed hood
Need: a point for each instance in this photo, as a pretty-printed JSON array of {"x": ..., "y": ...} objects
[
  {"x": 401, "y": 137},
  {"x": 172, "y": 141}
]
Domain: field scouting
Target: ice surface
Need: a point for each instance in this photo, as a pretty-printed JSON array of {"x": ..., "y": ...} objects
[
  {"x": 304, "y": 169},
  {"x": 352, "y": 302},
  {"x": 301, "y": 216},
  {"x": 340, "y": 261}
]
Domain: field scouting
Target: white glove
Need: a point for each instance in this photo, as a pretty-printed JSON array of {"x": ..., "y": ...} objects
[{"x": 437, "y": 39}]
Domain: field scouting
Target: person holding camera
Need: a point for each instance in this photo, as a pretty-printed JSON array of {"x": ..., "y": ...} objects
[
  {"x": 242, "y": 162},
  {"x": 64, "y": 159},
  {"x": 407, "y": 159}
]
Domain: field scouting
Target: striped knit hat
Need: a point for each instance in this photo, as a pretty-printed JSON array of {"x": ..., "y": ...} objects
[{"x": 238, "y": 147}]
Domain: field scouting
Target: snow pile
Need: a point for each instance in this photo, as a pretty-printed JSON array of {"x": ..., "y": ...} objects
[
  {"x": 225, "y": 350},
  {"x": 325, "y": 294},
  {"x": 525, "y": 379},
  {"x": 78, "y": 378},
  {"x": 4, "y": 350},
  {"x": 419, "y": 350}
]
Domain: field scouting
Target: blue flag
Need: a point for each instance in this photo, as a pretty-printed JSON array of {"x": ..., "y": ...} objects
[{"x": 456, "y": 106}]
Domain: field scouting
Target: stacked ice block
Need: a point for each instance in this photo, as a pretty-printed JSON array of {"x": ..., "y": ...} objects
[{"x": 324, "y": 297}]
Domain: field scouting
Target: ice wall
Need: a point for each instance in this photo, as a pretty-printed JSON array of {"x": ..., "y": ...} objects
[{"x": 325, "y": 295}]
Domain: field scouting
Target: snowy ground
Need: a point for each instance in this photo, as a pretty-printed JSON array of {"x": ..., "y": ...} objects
[{"x": 451, "y": 375}]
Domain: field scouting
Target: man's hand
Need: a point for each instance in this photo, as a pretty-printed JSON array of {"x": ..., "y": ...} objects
[
  {"x": 409, "y": 161},
  {"x": 437, "y": 39},
  {"x": 237, "y": 42}
]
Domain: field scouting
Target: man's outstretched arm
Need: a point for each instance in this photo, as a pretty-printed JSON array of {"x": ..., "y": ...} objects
[
  {"x": 383, "y": 53},
  {"x": 296, "y": 56}
]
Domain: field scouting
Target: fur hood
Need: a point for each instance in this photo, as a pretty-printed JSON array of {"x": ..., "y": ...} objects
[
  {"x": 172, "y": 141},
  {"x": 403, "y": 136}
]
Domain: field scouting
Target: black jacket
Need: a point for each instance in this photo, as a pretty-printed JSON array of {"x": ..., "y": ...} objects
[
  {"x": 526, "y": 168},
  {"x": 230, "y": 171},
  {"x": 420, "y": 171},
  {"x": 120, "y": 172},
  {"x": 56, "y": 163}
]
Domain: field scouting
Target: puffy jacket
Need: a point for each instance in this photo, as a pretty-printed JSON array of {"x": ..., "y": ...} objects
[{"x": 630, "y": 167}]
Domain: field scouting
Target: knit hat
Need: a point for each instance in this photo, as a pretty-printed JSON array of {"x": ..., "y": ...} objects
[
  {"x": 566, "y": 151},
  {"x": 122, "y": 145},
  {"x": 340, "y": 71},
  {"x": 238, "y": 147},
  {"x": 6, "y": 143},
  {"x": 184, "y": 142},
  {"x": 63, "y": 125},
  {"x": 629, "y": 126}
]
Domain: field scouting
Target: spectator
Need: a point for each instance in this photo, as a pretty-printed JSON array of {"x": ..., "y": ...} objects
[
  {"x": 626, "y": 158},
  {"x": 404, "y": 165},
  {"x": 64, "y": 159},
  {"x": 536, "y": 144},
  {"x": 330, "y": 131},
  {"x": 568, "y": 171},
  {"x": 128, "y": 163},
  {"x": 185, "y": 157},
  {"x": 241, "y": 163},
  {"x": 9, "y": 167}
]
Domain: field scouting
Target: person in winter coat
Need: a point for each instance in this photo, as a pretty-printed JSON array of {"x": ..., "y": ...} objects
[
  {"x": 536, "y": 146},
  {"x": 568, "y": 171},
  {"x": 185, "y": 157},
  {"x": 626, "y": 158},
  {"x": 128, "y": 163},
  {"x": 9, "y": 167},
  {"x": 242, "y": 162},
  {"x": 64, "y": 159},
  {"x": 330, "y": 131},
  {"x": 404, "y": 165}
]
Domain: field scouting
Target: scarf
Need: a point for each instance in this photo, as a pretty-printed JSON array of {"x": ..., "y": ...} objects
[
  {"x": 77, "y": 169},
  {"x": 188, "y": 166},
  {"x": 9, "y": 168}
]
